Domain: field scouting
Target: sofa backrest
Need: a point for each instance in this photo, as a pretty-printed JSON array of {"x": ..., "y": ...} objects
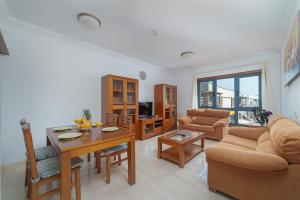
[
  {"x": 207, "y": 116},
  {"x": 285, "y": 137}
]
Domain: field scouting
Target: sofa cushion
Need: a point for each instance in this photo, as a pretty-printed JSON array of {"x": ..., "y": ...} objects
[
  {"x": 209, "y": 121},
  {"x": 197, "y": 127},
  {"x": 285, "y": 136},
  {"x": 243, "y": 142},
  {"x": 252, "y": 133},
  {"x": 264, "y": 137},
  {"x": 233, "y": 146},
  {"x": 209, "y": 113},
  {"x": 266, "y": 147},
  {"x": 273, "y": 119}
]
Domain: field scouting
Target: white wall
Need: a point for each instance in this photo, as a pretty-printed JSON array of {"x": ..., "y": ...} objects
[
  {"x": 184, "y": 77},
  {"x": 291, "y": 93},
  {"x": 48, "y": 81}
]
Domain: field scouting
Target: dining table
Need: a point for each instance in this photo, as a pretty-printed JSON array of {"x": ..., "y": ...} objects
[{"x": 90, "y": 141}]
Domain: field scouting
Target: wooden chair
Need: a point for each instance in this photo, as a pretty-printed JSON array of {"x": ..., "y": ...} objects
[
  {"x": 47, "y": 170},
  {"x": 125, "y": 124},
  {"x": 40, "y": 154},
  {"x": 111, "y": 120}
]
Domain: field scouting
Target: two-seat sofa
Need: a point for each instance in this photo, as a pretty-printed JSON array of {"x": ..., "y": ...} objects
[
  {"x": 257, "y": 163},
  {"x": 213, "y": 122}
]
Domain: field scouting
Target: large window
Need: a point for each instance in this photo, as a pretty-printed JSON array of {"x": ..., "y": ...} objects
[{"x": 238, "y": 93}]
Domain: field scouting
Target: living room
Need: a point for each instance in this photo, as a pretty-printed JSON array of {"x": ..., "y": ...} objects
[{"x": 89, "y": 64}]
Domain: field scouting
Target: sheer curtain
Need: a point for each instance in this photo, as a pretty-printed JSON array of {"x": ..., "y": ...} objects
[
  {"x": 268, "y": 99},
  {"x": 194, "y": 103}
]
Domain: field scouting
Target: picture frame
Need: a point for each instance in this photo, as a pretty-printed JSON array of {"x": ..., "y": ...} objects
[{"x": 292, "y": 53}]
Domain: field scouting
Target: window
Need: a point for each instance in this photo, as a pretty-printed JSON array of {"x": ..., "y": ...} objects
[{"x": 238, "y": 93}]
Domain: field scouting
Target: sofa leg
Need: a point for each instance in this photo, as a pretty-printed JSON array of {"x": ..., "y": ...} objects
[{"x": 212, "y": 189}]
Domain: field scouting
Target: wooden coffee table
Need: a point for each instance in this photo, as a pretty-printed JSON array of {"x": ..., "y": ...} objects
[{"x": 182, "y": 145}]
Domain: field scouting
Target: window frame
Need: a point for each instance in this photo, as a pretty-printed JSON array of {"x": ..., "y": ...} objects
[{"x": 236, "y": 77}]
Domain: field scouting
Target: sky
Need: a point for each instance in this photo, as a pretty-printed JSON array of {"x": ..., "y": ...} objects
[{"x": 248, "y": 85}]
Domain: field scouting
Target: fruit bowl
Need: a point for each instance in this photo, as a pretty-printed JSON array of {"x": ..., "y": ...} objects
[{"x": 84, "y": 129}]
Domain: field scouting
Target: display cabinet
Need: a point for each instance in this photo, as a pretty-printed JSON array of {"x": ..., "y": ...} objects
[{"x": 120, "y": 95}]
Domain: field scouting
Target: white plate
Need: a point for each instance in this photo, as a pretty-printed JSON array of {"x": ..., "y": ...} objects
[
  {"x": 69, "y": 135},
  {"x": 62, "y": 128},
  {"x": 110, "y": 129}
]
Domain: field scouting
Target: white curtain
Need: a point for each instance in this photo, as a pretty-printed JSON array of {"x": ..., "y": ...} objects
[
  {"x": 194, "y": 103},
  {"x": 268, "y": 99}
]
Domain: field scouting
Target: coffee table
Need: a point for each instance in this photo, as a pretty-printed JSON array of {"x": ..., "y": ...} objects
[{"x": 182, "y": 145}]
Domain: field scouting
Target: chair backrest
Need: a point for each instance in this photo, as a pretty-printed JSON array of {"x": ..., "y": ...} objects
[
  {"x": 125, "y": 122},
  {"x": 29, "y": 147},
  {"x": 111, "y": 119}
]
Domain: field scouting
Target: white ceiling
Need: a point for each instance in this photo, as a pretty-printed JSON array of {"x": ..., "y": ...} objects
[{"x": 212, "y": 29}]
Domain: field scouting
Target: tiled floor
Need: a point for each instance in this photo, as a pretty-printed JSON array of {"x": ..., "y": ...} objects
[{"x": 155, "y": 179}]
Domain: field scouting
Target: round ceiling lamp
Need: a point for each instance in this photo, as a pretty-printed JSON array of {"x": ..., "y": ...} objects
[
  {"x": 187, "y": 54},
  {"x": 89, "y": 21}
]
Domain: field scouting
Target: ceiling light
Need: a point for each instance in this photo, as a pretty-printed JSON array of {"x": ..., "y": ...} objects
[
  {"x": 89, "y": 21},
  {"x": 187, "y": 54}
]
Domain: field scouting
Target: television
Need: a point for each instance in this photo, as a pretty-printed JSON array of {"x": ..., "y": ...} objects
[{"x": 145, "y": 109}]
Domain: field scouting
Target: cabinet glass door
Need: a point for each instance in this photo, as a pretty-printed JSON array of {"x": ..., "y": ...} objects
[
  {"x": 118, "y": 90},
  {"x": 173, "y": 102},
  {"x": 167, "y": 102},
  {"x": 131, "y": 93}
]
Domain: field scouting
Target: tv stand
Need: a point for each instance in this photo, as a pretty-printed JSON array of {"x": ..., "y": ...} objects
[{"x": 149, "y": 127}]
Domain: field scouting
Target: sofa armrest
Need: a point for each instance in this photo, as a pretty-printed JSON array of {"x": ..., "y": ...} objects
[
  {"x": 185, "y": 120},
  {"x": 251, "y": 133},
  {"x": 221, "y": 123},
  {"x": 246, "y": 159}
]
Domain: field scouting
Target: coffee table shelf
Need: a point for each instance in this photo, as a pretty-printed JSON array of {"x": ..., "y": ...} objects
[{"x": 189, "y": 153}]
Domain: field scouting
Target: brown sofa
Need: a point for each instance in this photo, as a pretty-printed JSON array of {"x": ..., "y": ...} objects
[
  {"x": 257, "y": 163},
  {"x": 211, "y": 121}
]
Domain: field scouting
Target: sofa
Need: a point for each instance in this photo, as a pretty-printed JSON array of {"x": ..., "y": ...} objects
[
  {"x": 213, "y": 122},
  {"x": 257, "y": 163}
]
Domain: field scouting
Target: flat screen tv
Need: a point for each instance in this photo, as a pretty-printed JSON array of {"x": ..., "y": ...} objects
[{"x": 145, "y": 109}]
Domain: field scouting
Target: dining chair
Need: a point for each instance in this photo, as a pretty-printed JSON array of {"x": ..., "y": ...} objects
[
  {"x": 40, "y": 154},
  {"x": 111, "y": 120},
  {"x": 47, "y": 170},
  {"x": 124, "y": 123}
]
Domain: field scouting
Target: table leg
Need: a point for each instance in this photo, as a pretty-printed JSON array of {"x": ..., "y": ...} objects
[
  {"x": 66, "y": 184},
  {"x": 159, "y": 148},
  {"x": 181, "y": 157},
  {"x": 131, "y": 162},
  {"x": 202, "y": 144}
]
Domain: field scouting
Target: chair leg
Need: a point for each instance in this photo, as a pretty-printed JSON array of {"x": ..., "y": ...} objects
[
  {"x": 98, "y": 161},
  {"x": 26, "y": 173},
  {"x": 115, "y": 157},
  {"x": 77, "y": 183},
  {"x": 29, "y": 190},
  {"x": 108, "y": 169},
  {"x": 119, "y": 159},
  {"x": 89, "y": 157},
  {"x": 34, "y": 191}
]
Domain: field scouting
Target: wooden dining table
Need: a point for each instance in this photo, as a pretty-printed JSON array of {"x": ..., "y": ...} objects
[{"x": 90, "y": 141}]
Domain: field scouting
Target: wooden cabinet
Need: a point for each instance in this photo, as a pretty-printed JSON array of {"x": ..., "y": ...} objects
[
  {"x": 166, "y": 105},
  {"x": 150, "y": 127},
  {"x": 120, "y": 95}
]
